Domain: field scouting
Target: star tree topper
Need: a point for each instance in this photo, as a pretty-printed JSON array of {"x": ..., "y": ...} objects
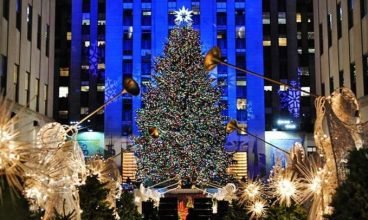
[{"x": 183, "y": 16}]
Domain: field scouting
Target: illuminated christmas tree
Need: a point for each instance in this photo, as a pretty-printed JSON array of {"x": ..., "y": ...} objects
[{"x": 182, "y": 110}]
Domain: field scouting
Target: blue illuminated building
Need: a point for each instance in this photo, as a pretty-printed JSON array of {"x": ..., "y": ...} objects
[{"x": 113, "y": 39}]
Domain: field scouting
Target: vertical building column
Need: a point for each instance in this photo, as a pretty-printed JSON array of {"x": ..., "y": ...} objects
[
  {"x": 231, "y": 58},
  {"x": 75, "y": 61},
  {"x": 93, "y": 58},
  {"x": 207, "y": 19},
  {"x": 137, "y": 59},
  {"x": 255, "y": 85},
  {"x": 113, "y": 71},
  {"x": 159, "y": 27}
]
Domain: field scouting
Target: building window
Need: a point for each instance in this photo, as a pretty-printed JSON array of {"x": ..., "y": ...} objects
[
  {"x": 341, "y": 78},
  {"x": 86, "y": 19},
  {"x": 329, "y": 29},
  {"x": 16, "y": 82},
  {"x": 47, "y": 40},
  {"x": 363, "y": 8},
  {"x": 350, "y": 13},
  {"x": 320, "y": 39},
  {"x": 6, "y": 9},
  {"x": 86, "y": 5},
  {"x": 128, "y": 42},
  {"x": 63, "y": 114},
  {"x": 128, "y": 17},
  {"x": 37, "y": 94},
  {"x": 18, "y": 22},
  {"x": 365, "y": 74},
  {"x": 221, "y": 39},
  {"x": 146, "y": 40},
  {"x": 84, "y": 110},
  {"x": 339, "y": 20},
  {"x": 63, "y": 91},
  {"x": 221, "y": 18},
  {"x": 29, "y": 22},
  {"x": 39, "y": 31},
  {"x": 27, "y": 86},
  {"x": 127, "y": 110},
  {"x": 241, "y": 104},
  {"x": 282, "y": 18},
  {"x": 266, "y": 18},
  {"x": 146, "y": 18},
  {"x": 3, "y": 72},
  {"x": 282, "y": 41},
  {"x": 353, "y": 77},
  {"x": 298, "y": 17},
  {"x": 127, "y": 66},
  {"x": 332, "y": 87},
  {"x": 85, "y": 88},
  {"x": 196, "y": 13},
  {"x": 45, "y": 96},
  {"x": 64, "y": 72},
  {"x": 239, "y": 17}
]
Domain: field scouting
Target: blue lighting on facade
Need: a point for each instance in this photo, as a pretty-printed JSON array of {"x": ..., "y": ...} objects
[
  {"x": 133, "y": 41},
  {"x": 255, "y": 86},
  {"x": 113, "y": 62}
]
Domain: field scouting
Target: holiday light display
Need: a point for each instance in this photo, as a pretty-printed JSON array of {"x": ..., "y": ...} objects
[{"x": 182, "y": 109}]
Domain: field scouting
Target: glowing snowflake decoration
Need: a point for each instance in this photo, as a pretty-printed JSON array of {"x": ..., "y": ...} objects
[
  {"x": 112, "y": 87},
  {"x": 93, "y": 59},
  {"x": 183, "y": 16},
  {"x": 290, "y": 99}
]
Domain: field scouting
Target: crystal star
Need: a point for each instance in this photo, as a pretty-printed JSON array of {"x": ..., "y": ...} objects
[{"x": 183, "y": 15}]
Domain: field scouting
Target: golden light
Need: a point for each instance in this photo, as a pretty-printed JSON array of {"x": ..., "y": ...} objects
[
  {"x": 316, "y": 185},
  {"x": 286, "y": 190},
  {"x": 257, "y": 209},
  {"x": 252, "y": 191}
]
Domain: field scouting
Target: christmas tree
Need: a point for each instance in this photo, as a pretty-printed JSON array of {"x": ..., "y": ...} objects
[
  {"x": 182, "y": 110},
  {"x": 93, "y": 200},
  {"x": 351, "y": 198},
  {"x": 127, "y": 210}
]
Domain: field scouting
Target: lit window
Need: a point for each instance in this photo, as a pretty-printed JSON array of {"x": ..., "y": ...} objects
[
  {"x": 100, "y": 43},
  {"x": 84, "y": 110},
  {"x": 63, "y": 114},
  {"x": 311, "y": 50},
  {"x": 298, "y": 18},
  {"x": 86, "y": 43},
  {"x": 266, "y": 43},
  {"x": 220, "y": 35},
  {"x": 146, "y": 13},
  {"x": 282, "y": 18},
  {"x": 241, "y": 83},
  {"x": 240, "y": 32},
  {"x": 63, "y": 91},
  {"x": 100, "y": 88},
  {"x": 84, "y": 88},
  {"x": 85, "y": 19},
  {"x": 282, "y": 41},
  {"x": 64, "y": 72},
  {"x": 69, "y": 35},
  {"x": 101, "y": 66},
  {"x": 85, "y": 67},
  {"x": 307, "y": 89},
  {"x": 268, "y": 88},
  {"x": 283, "y": 88},
  {"x": 266, "y": 18},
  {"x": 101, "y": 22},
  {"x": 241, "y": 104}
]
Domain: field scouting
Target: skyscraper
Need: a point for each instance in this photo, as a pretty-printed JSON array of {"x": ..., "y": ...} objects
[
  {"x": 111, "y": 40},
  {"x": 342, "y": 48},
  {"x": 27, "y": 55}
]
